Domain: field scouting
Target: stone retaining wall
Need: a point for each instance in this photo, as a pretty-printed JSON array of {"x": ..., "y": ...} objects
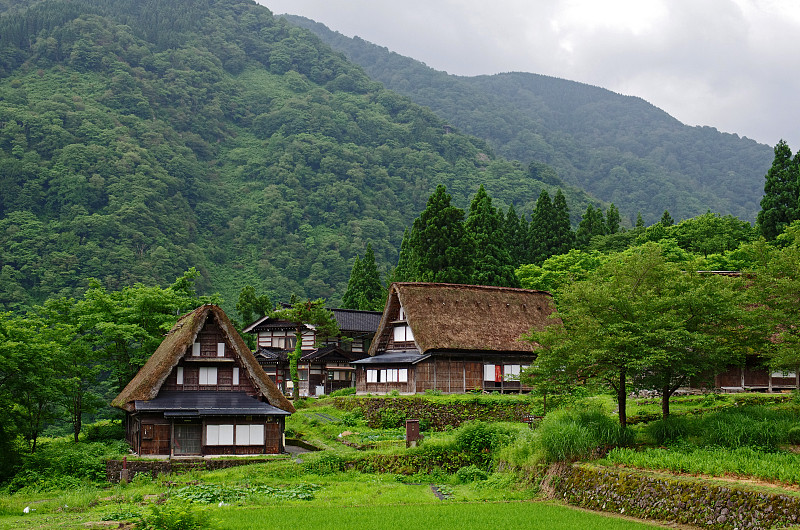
[
  {"x": 157, "y": 467},
  {"x": 676, "y": 499}
]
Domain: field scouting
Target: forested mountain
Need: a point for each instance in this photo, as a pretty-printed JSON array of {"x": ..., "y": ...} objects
[
  {"x": 619, "y": 148},
  {"x": 138, "y": 139}
]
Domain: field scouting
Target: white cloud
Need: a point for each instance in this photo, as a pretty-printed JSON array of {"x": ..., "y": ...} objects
[{"x": 729, "y": 64}]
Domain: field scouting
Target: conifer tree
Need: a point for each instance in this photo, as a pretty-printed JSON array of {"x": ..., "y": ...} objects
[
  {"x": 541, "y": 230},
  {"x": 350, "y": 299},
  {"x": 406, "y": 270},
  {"x": 666, "y": 219},
  {"x": 484, "y": 227},
  {"x": 779, "y": 206},
  {"x": 364, "y": 289},
  {"x": 441, "y": 250},
  {"x": 612, "y": 219},
  {"x": 592, "y": 224},
  {"x": 564, "y": 239},
  {"x": 515, "y": 238},
  {"x": 639, "y": 220}
]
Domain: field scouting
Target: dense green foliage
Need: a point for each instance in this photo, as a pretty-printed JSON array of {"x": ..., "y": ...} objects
[
  {"x": 639, "y": 321},
  {"x": 619, "y": 148},
  {"x": 781, "y": 202},
  {"x": 364, "y": 289},
  {"x": 140, "y": 139}
]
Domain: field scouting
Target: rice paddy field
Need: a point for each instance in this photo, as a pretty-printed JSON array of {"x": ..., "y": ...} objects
[{"x": 279, "y": 495}]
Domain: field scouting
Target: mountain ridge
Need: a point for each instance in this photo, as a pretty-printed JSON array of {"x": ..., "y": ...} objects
[{"x": 645, "y": 162}]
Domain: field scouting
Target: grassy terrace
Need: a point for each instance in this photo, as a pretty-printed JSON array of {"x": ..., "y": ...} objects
[{"x": 487, "y": 473}]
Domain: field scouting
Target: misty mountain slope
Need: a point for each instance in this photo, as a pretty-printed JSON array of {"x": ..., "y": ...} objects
[
  {"x": 138, "y": 139},
  {"x": 619, "y": 148}
]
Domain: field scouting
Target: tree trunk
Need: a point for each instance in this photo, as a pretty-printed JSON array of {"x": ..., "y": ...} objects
[
  {"x": 622, "y": 397},
  {"x": 665, "y": 394},
  {"x": 76, "y": 414}
]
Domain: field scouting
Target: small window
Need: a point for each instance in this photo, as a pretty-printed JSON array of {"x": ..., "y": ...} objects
[
  {"x": 179, "y": 375},
  {"x": 402, "y": 314},
  {"x": 372, "y": 376},
  {"x": 511, "y": 372},
  {"x": 250, "y": 434},
  {"x": 196, "y": 349},
  {"x": 219, "y": 434},
  {"x": 220, "y": 349},
  {"x": 208, "y": 375},
  {"x": 488, "y": 372},
  {"x": 235, "y": 375}
]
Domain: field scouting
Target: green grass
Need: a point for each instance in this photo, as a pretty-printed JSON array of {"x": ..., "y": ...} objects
[
  {"x": 512, "y": 515},
  {"x": 740, "y": 462}
]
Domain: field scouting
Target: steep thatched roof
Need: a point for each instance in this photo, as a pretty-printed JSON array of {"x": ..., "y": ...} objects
[
  {"x": 147, "y": 382},
  {"x": 452, "y": 317}
]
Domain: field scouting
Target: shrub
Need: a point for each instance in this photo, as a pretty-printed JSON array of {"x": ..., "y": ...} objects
[
  {"x": 471, "y": 473},
  {"x": 669, "y": 429},
  {"x": 104, "y": 431},
  {"x": 480, "y": 437},
  {"x": 568, "y": 435}
]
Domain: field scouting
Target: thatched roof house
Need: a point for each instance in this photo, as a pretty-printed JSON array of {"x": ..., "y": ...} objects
[
  {"x": 203, "y": 392},
  {"x": 452, "y": 338}
]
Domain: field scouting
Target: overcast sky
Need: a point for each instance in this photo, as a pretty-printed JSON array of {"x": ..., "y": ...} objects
[{"x": 729, "y": 64}]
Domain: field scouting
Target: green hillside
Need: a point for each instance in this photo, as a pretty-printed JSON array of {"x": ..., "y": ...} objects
[
  {"x": 619, "y": 148},
  {"x": 138, "y": 139}
]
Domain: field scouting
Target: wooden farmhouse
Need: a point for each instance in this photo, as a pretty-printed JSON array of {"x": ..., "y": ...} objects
[
  {"x": 325, "y": 363},
  {"x": 452, "y": 338},
  {"x": 203, "y": 393}
]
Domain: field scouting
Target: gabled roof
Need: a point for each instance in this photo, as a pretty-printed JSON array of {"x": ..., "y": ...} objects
[
  {"x": 349, "y": 321},
  {"x": 147, "y": 382},
  {"x": 272, "y": 354},
  {"x": 332, "y": 353},
  {"x": 451, "y": 317}
]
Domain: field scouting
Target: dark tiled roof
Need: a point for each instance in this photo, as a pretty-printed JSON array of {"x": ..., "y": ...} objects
[
  {"x": 354, "y": 320},
  {"x": 208, "y": 403},
  {"x": 332, "y": 353},
  {"x": 394, "y": 357},
  {"x": 271, "y": 354},
  {"x": 349, "y": 320}
]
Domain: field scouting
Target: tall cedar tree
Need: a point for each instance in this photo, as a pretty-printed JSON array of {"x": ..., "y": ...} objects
[
  {"x": 251, "y": 307},
  {"x": 406, "y": 270},
  {"x": 364, "y": 289},
  {"x": 440, "y": 247},
  {"x": 564, "y": 239},
  {"x": 779, "y": 206},
  {"x": 484, "y": 226},
  {"x": 314, "y": 313},
  {"x": 541, "y": 230},
  {"x": 592, "y": 224},
  {"x": 515, "y": 237},
  {"x": 612, "y": 219},
  {"x": 666, "y": 219}
]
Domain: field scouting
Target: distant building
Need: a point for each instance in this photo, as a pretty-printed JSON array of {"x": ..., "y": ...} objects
[{"x": 324, "y": 368}]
